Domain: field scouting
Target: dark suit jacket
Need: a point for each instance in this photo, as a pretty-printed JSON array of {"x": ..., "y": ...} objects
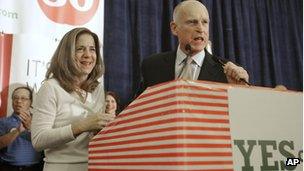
[{"x": 160, "y": 68}]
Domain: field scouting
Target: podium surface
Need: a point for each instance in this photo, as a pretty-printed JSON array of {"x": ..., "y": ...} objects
[{"x": 198, "y": 125}]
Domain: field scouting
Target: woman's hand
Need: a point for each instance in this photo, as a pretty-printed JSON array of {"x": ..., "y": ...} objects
[{"x": 93, "y": 122}]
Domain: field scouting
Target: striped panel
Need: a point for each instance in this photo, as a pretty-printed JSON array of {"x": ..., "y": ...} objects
[{"x": 178, "y": 126}]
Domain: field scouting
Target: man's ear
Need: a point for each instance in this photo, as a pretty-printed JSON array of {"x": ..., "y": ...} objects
[{"x": 173, "y": 27}]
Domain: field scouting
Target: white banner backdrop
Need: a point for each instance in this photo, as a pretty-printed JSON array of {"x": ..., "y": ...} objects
[
  {"x": 33, "y": 61},
  {"x": 51, "y": 17},
  {"x": 37, "y": 27}
]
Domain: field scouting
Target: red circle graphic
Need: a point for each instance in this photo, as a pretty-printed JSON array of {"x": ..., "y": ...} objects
[{"x": 64, "y": 11}]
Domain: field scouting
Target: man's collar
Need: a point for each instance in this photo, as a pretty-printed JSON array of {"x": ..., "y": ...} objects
[
  {"x": 16, "y": 116},
  {"x": 181, "y": 56}
]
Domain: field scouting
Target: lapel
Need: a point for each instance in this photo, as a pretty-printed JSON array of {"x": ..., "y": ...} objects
[
  {"x": 210, "y": 69},
  {"x": 169, "y": 64}
]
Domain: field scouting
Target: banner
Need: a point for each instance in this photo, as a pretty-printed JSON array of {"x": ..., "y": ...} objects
[
  {"x": 266, "y": 128},
  {"x": 36, "y": 27}
]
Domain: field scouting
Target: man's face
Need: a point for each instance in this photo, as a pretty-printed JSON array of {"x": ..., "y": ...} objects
[
  {"x": 192, "y": 26},
  {"x": 21, "y": 100}
]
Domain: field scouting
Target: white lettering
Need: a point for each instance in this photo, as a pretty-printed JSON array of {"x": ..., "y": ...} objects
[
  {"x": 289, "y": 163},
  {"x": 56, "y": 3},
  {"x": 8, "y": 14},
  {"x": 87, "y": 5}
]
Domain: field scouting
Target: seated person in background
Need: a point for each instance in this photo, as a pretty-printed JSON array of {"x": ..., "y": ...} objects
[
  {"x": 191, "y": 26},
  {"x": 112, "y": 103},
  {"x": 16, "y": 150}
]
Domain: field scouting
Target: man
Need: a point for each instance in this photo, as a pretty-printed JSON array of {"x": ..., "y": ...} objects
[
  {"x": 16, "y": 150},
  {"x": 191, "y": 25}
]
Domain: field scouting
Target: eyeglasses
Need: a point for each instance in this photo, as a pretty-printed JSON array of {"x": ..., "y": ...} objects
[{"x": 21, "y": 98}]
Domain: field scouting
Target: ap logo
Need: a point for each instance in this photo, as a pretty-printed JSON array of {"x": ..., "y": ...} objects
[
  {"x": 72, "y": 12},
  {"x": 292, "y": 161}
]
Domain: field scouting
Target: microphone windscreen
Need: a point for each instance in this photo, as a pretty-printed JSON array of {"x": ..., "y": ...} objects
[{"x": 188, "y": 48}]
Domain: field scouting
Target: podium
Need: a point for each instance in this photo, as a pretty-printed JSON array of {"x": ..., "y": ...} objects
[{"x": 200, "y": 125}]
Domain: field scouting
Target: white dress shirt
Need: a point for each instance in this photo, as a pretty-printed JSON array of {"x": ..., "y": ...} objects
[{"x": 197, "y": 63}]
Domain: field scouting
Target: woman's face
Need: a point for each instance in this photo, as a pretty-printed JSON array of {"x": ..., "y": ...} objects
[
  {"x": 85, "y": 53},
  {"x": 111, "y": 105}
]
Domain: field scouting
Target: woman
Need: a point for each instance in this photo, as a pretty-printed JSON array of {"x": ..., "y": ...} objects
[
  {"x": 112, "y": 103},
  {"x": 68, "y": 106}
]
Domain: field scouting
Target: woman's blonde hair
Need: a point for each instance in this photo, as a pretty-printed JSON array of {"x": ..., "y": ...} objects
[{"x": 64, "y": 67}]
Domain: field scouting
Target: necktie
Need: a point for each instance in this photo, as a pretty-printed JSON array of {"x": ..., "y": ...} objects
[{"x": 187, "y": 73}]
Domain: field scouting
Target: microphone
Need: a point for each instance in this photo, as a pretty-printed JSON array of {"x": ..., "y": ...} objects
[
  {"x": 223, "y": 64},
  {"x": 188, "y": 49}
]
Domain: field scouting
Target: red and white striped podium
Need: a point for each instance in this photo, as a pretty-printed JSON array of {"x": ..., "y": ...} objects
[
  {"x": 178, "y": 125},
  {"x": 187, "y": 126}
]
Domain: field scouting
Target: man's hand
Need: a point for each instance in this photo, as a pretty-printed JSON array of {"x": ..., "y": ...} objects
[
  {"x": 26, "y": 119},
  {"x": 21, "y": 128},
  {"x": 235, "y": 74},
  {"x": 280, "y": 87}
]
